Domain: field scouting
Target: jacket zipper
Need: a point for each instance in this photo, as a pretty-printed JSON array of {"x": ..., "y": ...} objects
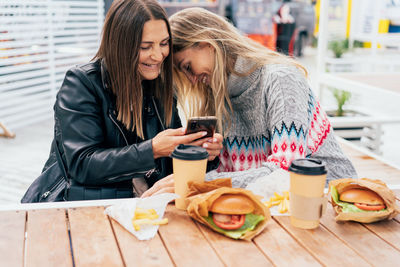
[
  {"x": 126, "y": 141},
  {"x": 158, "y": 114},
  {"x": 146, "y": 173},
  {"x": 47, "y": 193},
  {"x": 119, "y": 128}
]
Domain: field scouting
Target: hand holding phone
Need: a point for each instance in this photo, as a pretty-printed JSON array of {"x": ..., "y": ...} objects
[{"x": 197, "y": 124}]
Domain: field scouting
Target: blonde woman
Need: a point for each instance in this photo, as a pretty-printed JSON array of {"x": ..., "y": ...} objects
[{"x": 266, "y": 109}]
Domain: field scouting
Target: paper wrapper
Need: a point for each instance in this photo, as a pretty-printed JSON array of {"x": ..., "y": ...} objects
[
  {"x": 201, "y": 203},
  {"x": 278, "y": 181},
  {"x": 198, "y": 188},
  {"x": 378, "y": 187},
  {"x": 123, "y": 213}
]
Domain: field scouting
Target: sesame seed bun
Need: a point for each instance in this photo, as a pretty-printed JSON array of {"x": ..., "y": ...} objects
[{"x": 232, "y": 204}]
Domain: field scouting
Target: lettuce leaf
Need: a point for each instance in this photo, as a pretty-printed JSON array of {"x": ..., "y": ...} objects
[
  {"x": 347, "y": 207},
  {"x": 249, "y": 224}
]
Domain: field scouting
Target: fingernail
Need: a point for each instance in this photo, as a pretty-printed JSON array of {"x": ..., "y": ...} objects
[
  {"x": 203, "y": 133},
  {"x": 210, "y": 140},
  {"x": 215, "y": 140},
  {"x": 205, "y": 145}
]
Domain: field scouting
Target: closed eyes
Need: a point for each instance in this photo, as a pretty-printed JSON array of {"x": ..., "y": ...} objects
[
  {"x": 148, "y": 47},
  {"x": 187, "y": 69}
]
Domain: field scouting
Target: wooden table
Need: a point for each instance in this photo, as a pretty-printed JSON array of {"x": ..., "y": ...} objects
[
  {"x": 85, "y": 236},
  {"x": 370, "y": 165}
]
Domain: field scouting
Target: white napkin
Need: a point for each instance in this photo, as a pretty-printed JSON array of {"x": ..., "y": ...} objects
[
  {"x": 277, "y": 181},
  {"x": 123, "y": 213}
]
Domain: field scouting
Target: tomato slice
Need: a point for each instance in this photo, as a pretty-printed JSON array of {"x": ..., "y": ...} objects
[
  {"x": 369, "y": 207},
  {"x": 236, "y": 221}
]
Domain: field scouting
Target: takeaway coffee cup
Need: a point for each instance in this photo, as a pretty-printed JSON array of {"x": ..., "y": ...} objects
[
  {"x": 189, "y": 164},
  {"x": 307, "y": 201}
]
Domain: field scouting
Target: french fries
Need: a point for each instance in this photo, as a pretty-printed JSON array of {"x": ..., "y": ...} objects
[
  {"x": 146, "y": 216},
  {"x": 282, "y": 201}
]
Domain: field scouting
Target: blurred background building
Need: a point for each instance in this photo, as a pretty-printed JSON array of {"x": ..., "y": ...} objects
[{"x": 350, "y": 47}]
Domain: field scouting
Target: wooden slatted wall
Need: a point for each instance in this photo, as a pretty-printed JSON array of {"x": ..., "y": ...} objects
[{"x": 39, "y": 41}]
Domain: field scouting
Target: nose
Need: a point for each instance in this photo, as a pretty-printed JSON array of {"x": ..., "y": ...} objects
[
  {"x": 157, "y": 54},
  {"x": 192, "y": 79}
]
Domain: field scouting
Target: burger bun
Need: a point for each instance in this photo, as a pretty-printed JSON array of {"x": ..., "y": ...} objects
[
  {"x": 232, "y": 204},
  {"x": 364, "y": 196}
]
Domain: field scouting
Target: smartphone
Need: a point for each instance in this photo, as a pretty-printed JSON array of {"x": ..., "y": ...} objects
[{"x": 197, "y": 124}]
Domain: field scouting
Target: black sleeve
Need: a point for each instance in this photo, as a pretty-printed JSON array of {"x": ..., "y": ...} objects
[{"x": 80, "y": 121}]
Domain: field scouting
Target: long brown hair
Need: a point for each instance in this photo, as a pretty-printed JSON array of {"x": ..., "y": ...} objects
[
  {"x": 192, "y": 26},
  {"x": 120, "y": 48}
]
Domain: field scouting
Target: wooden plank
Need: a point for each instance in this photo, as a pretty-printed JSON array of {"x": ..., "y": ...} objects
[
  {"x": 12, "y": 235},
  {"x": 371, "y": 166},
  {"x": 367, "y": 166},
  {"x": 47, "y": 242},
  {"x": 92, "y": 237},
  {"x": 282, "y": 249},
  {"x": 363, "y": 241},
  {"x": 228, "y": 248},
  {"x": 397, "y": 194},
  {"x": 323, "y": 245},
  {"x": 388, "y": 231},
  {"x": 185, "y": 242},
  {"x": 141, "y": 253}
]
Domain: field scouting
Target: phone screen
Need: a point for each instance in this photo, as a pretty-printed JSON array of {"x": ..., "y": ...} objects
[{"x": 197, "y": 124}]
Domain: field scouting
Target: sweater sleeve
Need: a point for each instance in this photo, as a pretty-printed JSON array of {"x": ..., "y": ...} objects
[
  {"x": 287, "y": 120},
  {"x": 243, "y": 178},
  {"x": 288, "y": 115}
]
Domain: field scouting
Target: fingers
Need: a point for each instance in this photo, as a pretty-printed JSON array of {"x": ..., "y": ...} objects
[
  {"x": 162, "y": 186},
  {"x": 211, "y": 158},
  {"x": 174, "y": 132},
  {"x": 169, "y": 189},
  {"x": 179, "y": 131},
  {"x": 213, "y": 146},
  {"x": 199, "y": 142},
  {"x": 189, "y": 138},
  {"x": 167, "y": 180},
  {"x": 149, "y": 193}
]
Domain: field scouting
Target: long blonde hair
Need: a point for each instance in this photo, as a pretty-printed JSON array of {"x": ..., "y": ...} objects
[{"x": 192, "y": 26}]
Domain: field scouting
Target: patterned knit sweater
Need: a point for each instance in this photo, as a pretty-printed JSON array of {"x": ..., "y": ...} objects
[{"x": 275, "y": 120}]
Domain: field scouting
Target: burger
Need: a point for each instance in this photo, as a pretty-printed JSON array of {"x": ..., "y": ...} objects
[
  {"x": 362, "y": 200},
  {"x": 358, "y": 200},
  {"x": 233, "y": 215}
]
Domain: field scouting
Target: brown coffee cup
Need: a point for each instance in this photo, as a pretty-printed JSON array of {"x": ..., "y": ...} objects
[
  {"x": 307, "y": 200},
  {"x": 189, "y": 164}
]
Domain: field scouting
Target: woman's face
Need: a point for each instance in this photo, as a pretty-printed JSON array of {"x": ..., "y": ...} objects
[
  {"x": 197, "y": 63},
  {"x": 154, "y": 49}
]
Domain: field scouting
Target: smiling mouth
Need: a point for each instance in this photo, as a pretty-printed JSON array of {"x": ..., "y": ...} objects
[
  {"x": 203, "y": 79},
  {"x": 151, "y": 66}
]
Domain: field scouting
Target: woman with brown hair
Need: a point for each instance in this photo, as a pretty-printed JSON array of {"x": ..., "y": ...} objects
[{"x": 116, "y": 120}]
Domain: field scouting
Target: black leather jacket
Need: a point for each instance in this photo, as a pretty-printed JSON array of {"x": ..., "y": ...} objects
[{"x": 97, "y": 150}]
